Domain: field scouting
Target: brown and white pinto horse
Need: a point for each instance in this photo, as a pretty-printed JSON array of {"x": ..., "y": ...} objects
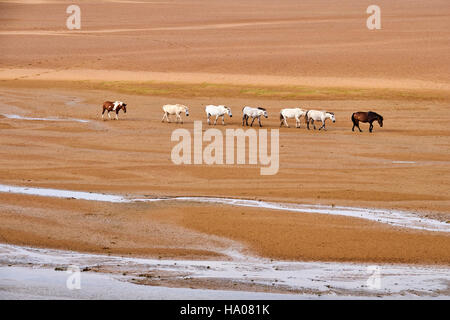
[
  {"x": 366, "y": 117},
  {"x": 114, "y": 106}
]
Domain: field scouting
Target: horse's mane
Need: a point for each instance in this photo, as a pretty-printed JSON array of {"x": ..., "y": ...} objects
[
  {"x": 261, "y": 109},
  {"x": 376, "y": 114},
  {"x": 330, "y": 112}
]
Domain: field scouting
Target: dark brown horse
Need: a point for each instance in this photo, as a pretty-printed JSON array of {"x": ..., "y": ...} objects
[
  {"x": 114, "y": 106},
  {"x": 366, "y": 117}
]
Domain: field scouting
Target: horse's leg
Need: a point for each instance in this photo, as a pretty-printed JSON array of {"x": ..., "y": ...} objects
[
  {"x": 223, "y": 119},
  {"x": 164, "y": 116},
  {"x": 179, "y": 117},
  {"x": 259, "y": 120},
  {"x": 103, "y": 113},
  {"x": 312, "y": 121},
  {"x": 323, "y": 125},
  {"x": 109, "y": 116},
  {"x": 285, "y": 122},
  {"x": 371, "y": 126},
  {"x": 281, "y": 120},
  {"x": 243, "y": 119},
  {"x": 117, "y": 114},
  {"x": 356, "y": 124},
  {"x": 215, "y": 121},
  {"x": 252, "y": 122},
  {"x": 297, "y": 122},
  {"x": 307, "y": 123}
]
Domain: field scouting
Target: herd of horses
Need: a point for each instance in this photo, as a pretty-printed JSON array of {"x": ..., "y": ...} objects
[{"x": 255, "y": 113}]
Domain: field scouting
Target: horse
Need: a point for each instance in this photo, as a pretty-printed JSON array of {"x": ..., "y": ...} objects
[
  {"x": 255, "y": 113},
  {"x": 296, "y": 113},
  {"x": 176, "y": 109},
  {"x": 315, "y": 115},
  {"x": 218, "y": 111},
  {"x": 366, "y": 117},
  {"x": 114, "y": 106}
]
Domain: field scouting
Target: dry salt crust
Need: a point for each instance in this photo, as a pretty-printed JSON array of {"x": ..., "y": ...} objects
[
  {"x": 393, "y": 217},
  {"x": 403, "y": 162},
  {"x": 33, "y": 284},
  {"x": 310, "y": 279},
  {"x": 15, "y": 116}
]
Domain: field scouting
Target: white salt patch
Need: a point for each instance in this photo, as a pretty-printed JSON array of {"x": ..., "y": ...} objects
[
  {"x": 79, "y": 195},
  {"x": 15, "y": 116},
  {"x": 405, "y": 162},
  {"x": 31, "y": 284},
  {"x": 73, "y": 102},
  {"x": 393, "y": 217},
  {"x": 342, "y": 280}
]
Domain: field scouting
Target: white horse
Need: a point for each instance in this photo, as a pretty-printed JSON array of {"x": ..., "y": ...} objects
[
  {"x": 315, "y": 115},
  {"x": 296, "y": 113},
  {"x": 176, "y": 109},
  {"x": 218, "y": 111},
  {"x": 254, "y": 113}
]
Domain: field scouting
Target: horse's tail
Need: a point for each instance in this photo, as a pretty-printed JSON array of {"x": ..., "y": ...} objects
[
  {"x": 306, "y": 116},
  {"x": 353, "y": 118},
  {"x": 281, "y": 116}
]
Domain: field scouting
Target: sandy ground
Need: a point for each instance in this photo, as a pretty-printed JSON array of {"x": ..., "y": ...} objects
[
  {"x": 287, "y": 38},
  {"x": 173, "y": 230},
  {"x": 334, "y": 167},
  {"x": 83, "y": 156},
  {"x": 312, "y": 54}
]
